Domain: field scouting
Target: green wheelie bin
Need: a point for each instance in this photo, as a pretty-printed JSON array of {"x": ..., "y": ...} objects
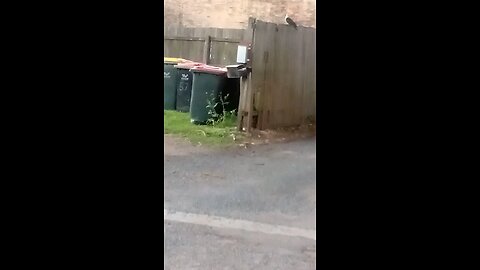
[
  {"x": 207, "y": 87},
  {"x": 170, "y": 77},
  {"x": 184, "y": 85}
]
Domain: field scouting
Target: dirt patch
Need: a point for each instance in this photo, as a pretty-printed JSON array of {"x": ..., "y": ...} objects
[
  {"x": 279, "y": 135},
  {"x": 178, "y": 146},
  {"x": 175, "y": 145}
]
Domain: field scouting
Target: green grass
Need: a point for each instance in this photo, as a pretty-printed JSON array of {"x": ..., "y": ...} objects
[{"x": 178, "y": 123}]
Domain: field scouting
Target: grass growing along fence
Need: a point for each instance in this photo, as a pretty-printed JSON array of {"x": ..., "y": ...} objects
[{"x": 223, "y": 133}]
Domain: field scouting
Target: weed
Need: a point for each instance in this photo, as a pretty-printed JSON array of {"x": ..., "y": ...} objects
[{"x": 224, "y": 118}]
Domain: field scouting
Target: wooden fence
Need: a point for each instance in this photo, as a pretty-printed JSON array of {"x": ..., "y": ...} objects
[
  {"x": 283, "y": 75},
  {"x": 213, "y": 46},
  {"x": 281, "y": 88}
]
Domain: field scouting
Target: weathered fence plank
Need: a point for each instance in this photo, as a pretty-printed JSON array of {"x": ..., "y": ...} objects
[
  {"x": 283, "y": 74},
  {"x": 269, "y": 82},
  {"x": 213, "y": 46}
]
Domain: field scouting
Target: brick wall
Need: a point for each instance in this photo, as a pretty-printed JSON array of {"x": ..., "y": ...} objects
[{"x": 235, "y": 13}]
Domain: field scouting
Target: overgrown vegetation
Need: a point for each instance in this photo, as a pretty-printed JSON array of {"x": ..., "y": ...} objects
[
  {"x": 224, "y": 118},
  {"x": 220, "y": 129}
]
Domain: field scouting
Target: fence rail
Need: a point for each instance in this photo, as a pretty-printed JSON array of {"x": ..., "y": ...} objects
[{"x": 214, "y": 46}]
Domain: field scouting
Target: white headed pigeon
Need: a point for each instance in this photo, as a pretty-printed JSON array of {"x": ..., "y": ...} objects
[{"x": 289, "y": 21}]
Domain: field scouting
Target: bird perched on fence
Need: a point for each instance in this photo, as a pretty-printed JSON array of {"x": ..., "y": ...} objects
[{"x": 289, "y": 21}]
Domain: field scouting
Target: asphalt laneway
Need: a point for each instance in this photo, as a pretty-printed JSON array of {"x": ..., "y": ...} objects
[{"x": 240, "y": 208}]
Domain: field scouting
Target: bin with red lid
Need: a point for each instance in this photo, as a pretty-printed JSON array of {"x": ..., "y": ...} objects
[{"x": 207, "y": 87}]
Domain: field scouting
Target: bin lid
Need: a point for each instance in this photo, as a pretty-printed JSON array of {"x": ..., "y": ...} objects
[
  {"x": 173, "y": 60},
  {"x": 209, "y": 69},
  {"x": 234, "y": 66},
  {"x": 188, "y": 65}
]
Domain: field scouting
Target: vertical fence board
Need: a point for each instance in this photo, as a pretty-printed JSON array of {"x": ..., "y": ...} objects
[
  {"x": 281, "y": 99},
  {"x": 286, "y": 80},
  {"x": 258, "y": 63},
  {"x": 310, "y": 109},
  {"x": 299, "y": 74},
  {"x": 269, "y": 82}
]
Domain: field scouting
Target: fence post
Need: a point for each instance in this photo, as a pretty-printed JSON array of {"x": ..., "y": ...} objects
[
  {"x": 206, "y": 49},
  {"x": 242, "y": 102},
  {"x": 250, "y": 103},
  {"x": 245, "y": 108}
]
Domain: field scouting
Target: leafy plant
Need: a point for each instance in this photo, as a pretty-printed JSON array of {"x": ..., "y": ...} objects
[{"x": 224, "y": 118}]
